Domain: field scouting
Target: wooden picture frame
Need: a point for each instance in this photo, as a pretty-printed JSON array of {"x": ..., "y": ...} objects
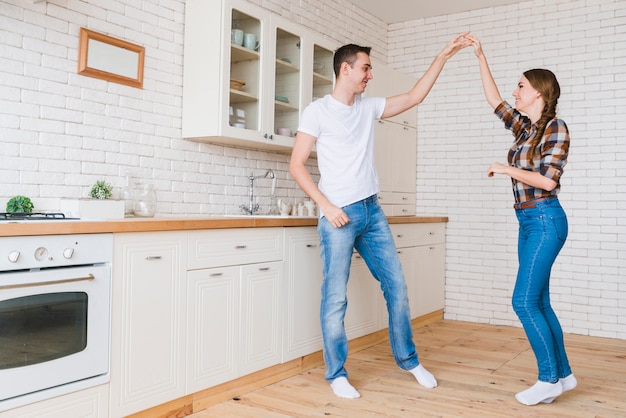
[{"x": 102, "y": 56}]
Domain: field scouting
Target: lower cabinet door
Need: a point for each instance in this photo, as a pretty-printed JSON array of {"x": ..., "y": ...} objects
[
  {"x": 302, "y": 293},
  {"x": 148, "y": 321},
  {"x": 430, "y": 274},
  {"x": 212, "y": 326},
  {"x": 261, "y": 310},
  {"x": 364, "y": 300}
]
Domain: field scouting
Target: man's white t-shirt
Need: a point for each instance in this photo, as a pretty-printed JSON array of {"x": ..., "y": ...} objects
[{"x": 345, "y": 146}]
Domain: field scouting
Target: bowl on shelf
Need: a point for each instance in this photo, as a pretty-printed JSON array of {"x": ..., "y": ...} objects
[
  {"x": 283, "y": 131},
  {"x": 236, "y": 84},
  {"x": 281, "y": 99},
  {"x": 318, "y": 67}
]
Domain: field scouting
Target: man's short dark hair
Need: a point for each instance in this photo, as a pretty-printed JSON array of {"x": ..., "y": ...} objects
[{"x": 348, "y": 53}]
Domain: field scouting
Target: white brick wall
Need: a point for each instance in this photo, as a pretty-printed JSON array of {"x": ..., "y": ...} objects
[
  {"x": 584, "y": 43},
  {"x": 60, "y": 131}
]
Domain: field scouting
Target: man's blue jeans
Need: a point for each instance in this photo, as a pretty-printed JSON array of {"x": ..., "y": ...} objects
[
  {"x": 542, "y": 233},
  {"x": 368, "y": 232}
]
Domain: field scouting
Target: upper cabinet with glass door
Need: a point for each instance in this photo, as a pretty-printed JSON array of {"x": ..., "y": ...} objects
[
  {"x": 287, "y": 101},
  {"x": 323, "y": 75},
  {"x": 248, "y": 74}
]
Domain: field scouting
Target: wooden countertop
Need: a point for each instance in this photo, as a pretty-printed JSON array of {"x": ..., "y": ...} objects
[{"x": 174, "y": 224}]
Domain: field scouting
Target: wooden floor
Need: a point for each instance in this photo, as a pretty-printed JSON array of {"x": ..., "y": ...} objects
[{"x": 479, "y": 368}]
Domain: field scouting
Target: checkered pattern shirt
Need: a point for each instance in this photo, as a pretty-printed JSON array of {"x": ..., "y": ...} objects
[{"x": 550, "y": 155}]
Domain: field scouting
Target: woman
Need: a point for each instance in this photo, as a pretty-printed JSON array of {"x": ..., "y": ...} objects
[{"x": 535, "y": 165}]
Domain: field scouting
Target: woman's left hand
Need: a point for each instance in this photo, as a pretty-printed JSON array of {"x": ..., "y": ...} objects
[{"x": 496, "y": 168}]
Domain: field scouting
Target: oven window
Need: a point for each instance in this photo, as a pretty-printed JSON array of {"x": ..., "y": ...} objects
[{"x": 42, "y": 327}]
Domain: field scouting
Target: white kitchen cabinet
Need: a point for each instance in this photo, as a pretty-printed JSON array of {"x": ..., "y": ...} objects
[
  {"x": 421, "y": 248},
  {"x": 303, "y": 281},
  {"x": 261, "y": 316},
  {"x": 430, "y": 275},
  {"x": 302, "y": 292},
  {"x": 213, "y": 298},
  {"x": 290, "y": 66},
  {"x": 396, "y": 164},
  {"x": 396, "y": 144},
  {"x": 388, "y": 82},
  {"x": 234, "y": 304},
  {"x": 148, "y": 320},
  {"x": 87, "y": 403},
  {"x": 365, "y": 300}
]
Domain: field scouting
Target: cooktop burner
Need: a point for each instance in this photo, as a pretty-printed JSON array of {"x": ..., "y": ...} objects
[{"x": 35, "y": 216}]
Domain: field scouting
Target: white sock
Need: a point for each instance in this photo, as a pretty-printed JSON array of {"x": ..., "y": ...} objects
[
  {"x": 568, "y": 382},
  {"x": 424, "y": 377},
  {"x": 540, "y": 392},
  {"x": 344, "y": 389}
]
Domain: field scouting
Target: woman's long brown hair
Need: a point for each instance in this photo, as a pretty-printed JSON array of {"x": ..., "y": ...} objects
[{"x": 544, "y": 81}]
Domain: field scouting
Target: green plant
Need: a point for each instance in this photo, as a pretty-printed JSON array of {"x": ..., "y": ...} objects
[
  {"x": 19, "y": 204},
  {"x": 101, "y": 190}
]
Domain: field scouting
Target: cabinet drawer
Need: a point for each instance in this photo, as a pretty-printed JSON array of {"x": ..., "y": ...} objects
[
  {"x": 412, "y": 235},
  {"x": 396, "y": 198},
  {"x": 217, "y": 248},
  {"x": 402, "y": 210}
]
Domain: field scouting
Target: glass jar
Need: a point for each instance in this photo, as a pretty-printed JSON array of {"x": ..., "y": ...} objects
[
  {"x": 145, "y": 200},
  {"x": 128, "y": 196}
]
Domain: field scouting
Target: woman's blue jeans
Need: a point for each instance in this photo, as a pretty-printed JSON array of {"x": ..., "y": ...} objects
[
  {"x": 368, "y": 232},
  {"x": 542, "y": 233}
]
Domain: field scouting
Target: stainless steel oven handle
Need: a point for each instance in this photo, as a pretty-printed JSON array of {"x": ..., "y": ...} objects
[{"x": 88, "y": 277}]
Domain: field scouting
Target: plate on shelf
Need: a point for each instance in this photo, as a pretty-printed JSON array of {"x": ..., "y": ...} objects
[{"x": 281, "y": 99}]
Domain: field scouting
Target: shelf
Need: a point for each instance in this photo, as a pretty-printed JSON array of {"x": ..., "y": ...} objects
[
  {"x": 237, "y": 96},
  {"x": 283, "y": 67},
  {"x": 284, "y": 106},
  {"x": 239, "y": 53},
  {"x": 319, "y": 79}
]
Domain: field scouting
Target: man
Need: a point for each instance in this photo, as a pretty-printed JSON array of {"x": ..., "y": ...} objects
[{"x": 341, "y": 125}]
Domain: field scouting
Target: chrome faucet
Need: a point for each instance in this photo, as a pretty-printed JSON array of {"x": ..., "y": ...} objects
[{"x": 252, "y": 207}]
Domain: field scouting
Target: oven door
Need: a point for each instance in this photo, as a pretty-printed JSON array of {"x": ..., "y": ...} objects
[{"x": 54, "y": 327}]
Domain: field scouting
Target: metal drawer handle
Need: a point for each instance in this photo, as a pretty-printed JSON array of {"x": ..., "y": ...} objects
[
  {"x": 311, "y": 246},
  {"x": 240, "y": 247},
  {"x": 400, "y": 236},
  {"x": 153, "y": 257},
  {"x": 264, "y": 268},
  {"x": 215, "y": 274}
]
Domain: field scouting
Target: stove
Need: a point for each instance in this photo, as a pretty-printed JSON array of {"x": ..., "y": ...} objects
[{"x": 35, "y": 216}]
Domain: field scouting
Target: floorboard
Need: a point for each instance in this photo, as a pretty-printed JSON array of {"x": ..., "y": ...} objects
[{"x": 479, "y": 368}]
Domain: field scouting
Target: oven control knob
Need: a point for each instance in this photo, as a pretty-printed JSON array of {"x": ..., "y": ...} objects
[
  {"x": 41, "y": 253},
  {"x": 14, "y": 256},
  {"x": 68, "y": 253}
]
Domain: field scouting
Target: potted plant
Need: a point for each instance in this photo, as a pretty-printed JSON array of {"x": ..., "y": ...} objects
[
  {"x": 101, "y": 190},
  {"x": 19, "y": 204},
  {"x": 99, "y": 205}
]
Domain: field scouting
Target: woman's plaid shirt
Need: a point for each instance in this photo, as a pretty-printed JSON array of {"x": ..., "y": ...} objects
[{"x": 550, "y": 155}]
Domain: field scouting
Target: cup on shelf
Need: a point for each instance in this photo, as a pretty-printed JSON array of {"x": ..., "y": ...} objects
[
  {"x": 283, "y": 131},
  {"x": 236, "y": 36},
  {"x": 250, "y": 42}
]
